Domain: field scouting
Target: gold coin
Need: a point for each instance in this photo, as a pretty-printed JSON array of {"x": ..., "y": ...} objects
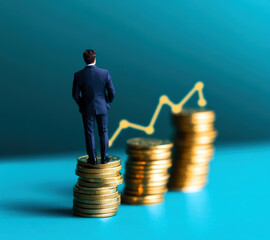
[
  {"x": 194, "y": 168},
  {"x": 114, "y": 162},
  {"x": 142, "y": 187},
  {"x": 184, "y": 173},
  {"x": 183, "y": 164},
  {"x": 100, "y": 180},
  {"x": 195, "y": 138},
  {"x": 149, "y": 159},
  {"x": 100, "y": 215},
  {"x": 149, "y": 163},
  {"x": 146, "y": 151},
  {"x": 78, "y": 189},
  {"x": 129, "y": 183},
  {"x": 95, "y": 189},
  {"x": 99, "y": 166},
  {"x": 96, "y": 206},
  {"x": 154, "y": 156},
  {"x": 96, "y": 210},
  {"x": 143, "y": 182},
  {"x": 148, "y": 167},
  {"x": 192, "y": 188},
  {"x": 186, "y": 125},
  {"x": 142, "y": 200},
  {"x": 145, "y": 202},
  {"x": 180, "y": 176},
  {"x": 189, "y": 185},
  {"x": 186, "y": 182},
  {"x": 150, "y": 197},
  {"x": 96, "y": 176},
  {"x": 195, "y": 147},
  {"x": 190, "y": 181},
  {"x": 145, "y": 191},
  {"x": 189, "y": 155},
  {"x": 194, "y": 115},
  {"x": 186, "y": 189},
  {"x": 94, "y": 197},
  {"x": 194, "y": 128},
  {"x": 146, "y": 176},
  {"x": 194, "y": 171},
  {"x": 192, "y": 160},
  {"x": 189, "y": 168},
  {"x": 201, "y": 140},
  {"x": 181, "y": 135},
  {"x": 197, "y": 150},
  {"x": 146, "y": 172},
  {"x": 104, "y": 170},
  {"x": 83, "y": 183},
  {"x": 149, "y": 179},
  {"x": 184, "y": 176},
  {"x": 100, "y": 201},
  {"x": 148, "y": 143}
]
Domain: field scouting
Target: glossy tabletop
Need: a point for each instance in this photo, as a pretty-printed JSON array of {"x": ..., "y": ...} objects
[{"x": 36, "y": 201}]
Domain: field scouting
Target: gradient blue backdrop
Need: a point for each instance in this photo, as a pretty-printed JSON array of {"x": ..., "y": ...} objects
[{"x": 150, "y": 47}]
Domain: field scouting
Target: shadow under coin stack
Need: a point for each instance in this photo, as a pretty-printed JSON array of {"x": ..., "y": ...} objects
[
  {"x": 193, "y": 149},
  {"x": 146, "y": 172},
  {"x": 95, "y": 194}
]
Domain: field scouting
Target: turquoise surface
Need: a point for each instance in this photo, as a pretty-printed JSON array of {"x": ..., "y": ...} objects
[{"x": 36, "y": 202}]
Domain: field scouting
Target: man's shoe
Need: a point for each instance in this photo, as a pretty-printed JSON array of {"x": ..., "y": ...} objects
[
  {"x": 105, "y": 160},
  {"x": 92, "y": 161}
]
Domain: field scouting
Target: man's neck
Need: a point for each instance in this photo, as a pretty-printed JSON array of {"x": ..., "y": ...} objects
[{"x": 91, "y": 64}]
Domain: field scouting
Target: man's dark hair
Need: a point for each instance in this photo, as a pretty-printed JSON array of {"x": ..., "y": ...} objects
[{"x": 89, "y": 56}]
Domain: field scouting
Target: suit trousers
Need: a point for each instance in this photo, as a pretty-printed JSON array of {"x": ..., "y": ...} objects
[{"x": 89, "y": 124}]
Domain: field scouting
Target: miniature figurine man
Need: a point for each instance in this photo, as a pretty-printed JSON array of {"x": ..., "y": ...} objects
[{"x": 93, "y": 90}]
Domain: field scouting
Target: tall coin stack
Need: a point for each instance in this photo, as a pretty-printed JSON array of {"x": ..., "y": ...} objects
[
  {"x": 146, "y": 172},
  {"x": 193, "y": 149},
  {"x": 95, "y": 194}
]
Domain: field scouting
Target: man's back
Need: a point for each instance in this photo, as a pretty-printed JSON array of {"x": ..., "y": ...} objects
[
  {"x": 93, "y": 82},
  {"x": 93, "y": 90}
]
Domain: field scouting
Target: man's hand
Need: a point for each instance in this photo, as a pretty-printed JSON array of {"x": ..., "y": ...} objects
[{"x": 110, "y": 89}]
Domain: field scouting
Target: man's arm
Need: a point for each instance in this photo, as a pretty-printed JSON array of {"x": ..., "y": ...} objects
[
  {"x": 76, "y": 91},
  {"x": 110, "y": 88}
]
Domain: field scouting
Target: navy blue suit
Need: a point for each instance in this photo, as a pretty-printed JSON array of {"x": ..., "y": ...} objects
[{"x": 93, "y": 90}]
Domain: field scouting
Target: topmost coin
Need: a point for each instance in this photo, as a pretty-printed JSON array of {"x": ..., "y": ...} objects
[
  {"x": 195, "y": 115},
  {"x": 114, "y": 162},
  {"x": 141, "y": 143}
]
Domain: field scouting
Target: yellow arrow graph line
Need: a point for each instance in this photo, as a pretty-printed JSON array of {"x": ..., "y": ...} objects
[{"x": 163, "y": 100}]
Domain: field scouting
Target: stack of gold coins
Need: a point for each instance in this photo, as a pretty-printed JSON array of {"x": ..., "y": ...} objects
[
  {"x": 146, "y": 172},
  {"x": 193, "y": 149},
  {"x": 95, "y": 194}
]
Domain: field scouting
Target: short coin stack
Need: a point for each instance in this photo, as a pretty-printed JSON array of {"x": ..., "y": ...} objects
[
  {"x": 146, "y": 172},
  {"x": 95, "y": 194},
  {"x": 193, "y": 149}
]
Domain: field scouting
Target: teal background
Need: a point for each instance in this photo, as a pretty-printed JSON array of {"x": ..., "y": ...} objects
[{"x": 150, "y": 48}]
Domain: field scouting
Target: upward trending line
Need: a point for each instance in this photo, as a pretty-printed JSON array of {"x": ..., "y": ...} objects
[{"x": 176, "y": 108}]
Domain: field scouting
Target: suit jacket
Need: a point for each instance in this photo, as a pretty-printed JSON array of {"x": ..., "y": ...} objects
[{"x": 93, "y": 90}]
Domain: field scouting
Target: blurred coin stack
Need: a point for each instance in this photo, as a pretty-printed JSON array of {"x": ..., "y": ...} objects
[
  {"x": 193, "y": 149},
  {"x": 146, "y": 172},
  {"x": 95, "y": 194}
]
